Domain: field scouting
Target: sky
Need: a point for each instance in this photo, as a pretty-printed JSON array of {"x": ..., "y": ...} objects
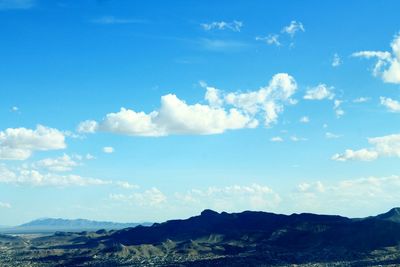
[{"x": 135, "y": 111}]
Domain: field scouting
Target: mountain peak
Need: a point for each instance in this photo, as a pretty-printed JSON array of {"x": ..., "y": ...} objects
[
  {"x": 391, "y": 215},
  {"x": 208, "y": 212}
]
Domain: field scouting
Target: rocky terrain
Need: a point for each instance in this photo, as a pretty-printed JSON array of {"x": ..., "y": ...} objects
[{"x": 219, "y": 239}]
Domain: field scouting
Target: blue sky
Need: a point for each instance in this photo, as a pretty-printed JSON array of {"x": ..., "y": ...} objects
[{"x": 151, "y": 110}]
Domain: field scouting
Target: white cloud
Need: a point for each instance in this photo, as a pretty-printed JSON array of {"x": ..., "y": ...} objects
[
  {"x": 297, "y": 139},
  {"x": 5, "y": 205},
  {"x": 88, "y": 126},
  {"x": 268, "y": 100},
  {"x": 304, "y": 119},
  {"x": 225, "y": 111},
  {"x": 388, "y": 63},
  {"x": 293, "y": 28},
  {"x": 20, "y": 143},
  {"x": 336, "y": 61},
  {"x": 24, "y": 176},
  {"x": 127, "y": 185},
  {"x": 384, "y": 146},
  {"x": 330, "y": 135},
  {"x": 362, "y": 154},
  {"x": 320, "y": 92},
  {"x": 271, "y": 39},
  {"x": 276, "y": 139},
  {"x": 222, "y": 25},
  {"x": 90, "y": 156},
  {"x": 14, "y": 109},
  {"x": 391, "y": 104},
  {"x": 60, "y": 164},
  {"x": 347, "y": 196},
  {"x": 149, "y": 198},
  {"x": 311, "y": 187},
  {"x": 337, "y": 108},
  {"x": 16, "y": 4},
  {"x": 231, "y": 198},
  {"x": 213, "y": 97},
  {"x": 108, "y": 149},
  {"x": 361, "y": 100}
]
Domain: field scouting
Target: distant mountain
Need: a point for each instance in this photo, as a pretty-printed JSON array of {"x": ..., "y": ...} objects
[{"x": 54, "y": 225}]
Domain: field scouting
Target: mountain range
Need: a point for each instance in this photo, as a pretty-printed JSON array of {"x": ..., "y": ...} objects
[
  {"x": 248, "y": 238},
  {"x": 51, "y": 225}
]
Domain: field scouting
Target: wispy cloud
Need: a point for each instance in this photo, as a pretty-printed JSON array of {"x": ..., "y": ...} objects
[
  {"x": 219, "y": 45},
  {"x": 293, "y": 28},
  {"x": 272, "y": 39},
  {"x": 223, "y": 25},
  {"x": 361, "y": 99},
  {"x": 108, "y": 20},
  {"x": 5, "y": 205},
  {"x": 336, "y": 61},
  {"x": 289, "y": 30}
]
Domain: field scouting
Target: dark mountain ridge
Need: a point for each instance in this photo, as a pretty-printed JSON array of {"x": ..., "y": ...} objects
[{"x": 249, "y": 238}]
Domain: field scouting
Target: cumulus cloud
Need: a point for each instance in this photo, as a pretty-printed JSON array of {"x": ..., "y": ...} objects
[
  {"x": 223, "y": 25},
  {"x": 362, "y": 154},
  {"x": 293, "y": 28},
  {"x": 320, "y": 92},
  {"x": 347, "y": 195},
  {"x": 384, "y": 146},
  {"x": 268, "y": 100},
  {"x": 232, "y": 198},
  {"x": 20, "y": 143},
  {"x": 387, "y": 66},
  {"x": 391, "y": 104},
  {"x": 25, "y": 176},
  {"x": 224, "y": 111},
  {"x": 60, "y": 164}
]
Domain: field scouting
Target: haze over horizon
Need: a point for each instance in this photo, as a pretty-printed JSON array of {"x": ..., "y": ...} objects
[{"x": 120, "y": 111}]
